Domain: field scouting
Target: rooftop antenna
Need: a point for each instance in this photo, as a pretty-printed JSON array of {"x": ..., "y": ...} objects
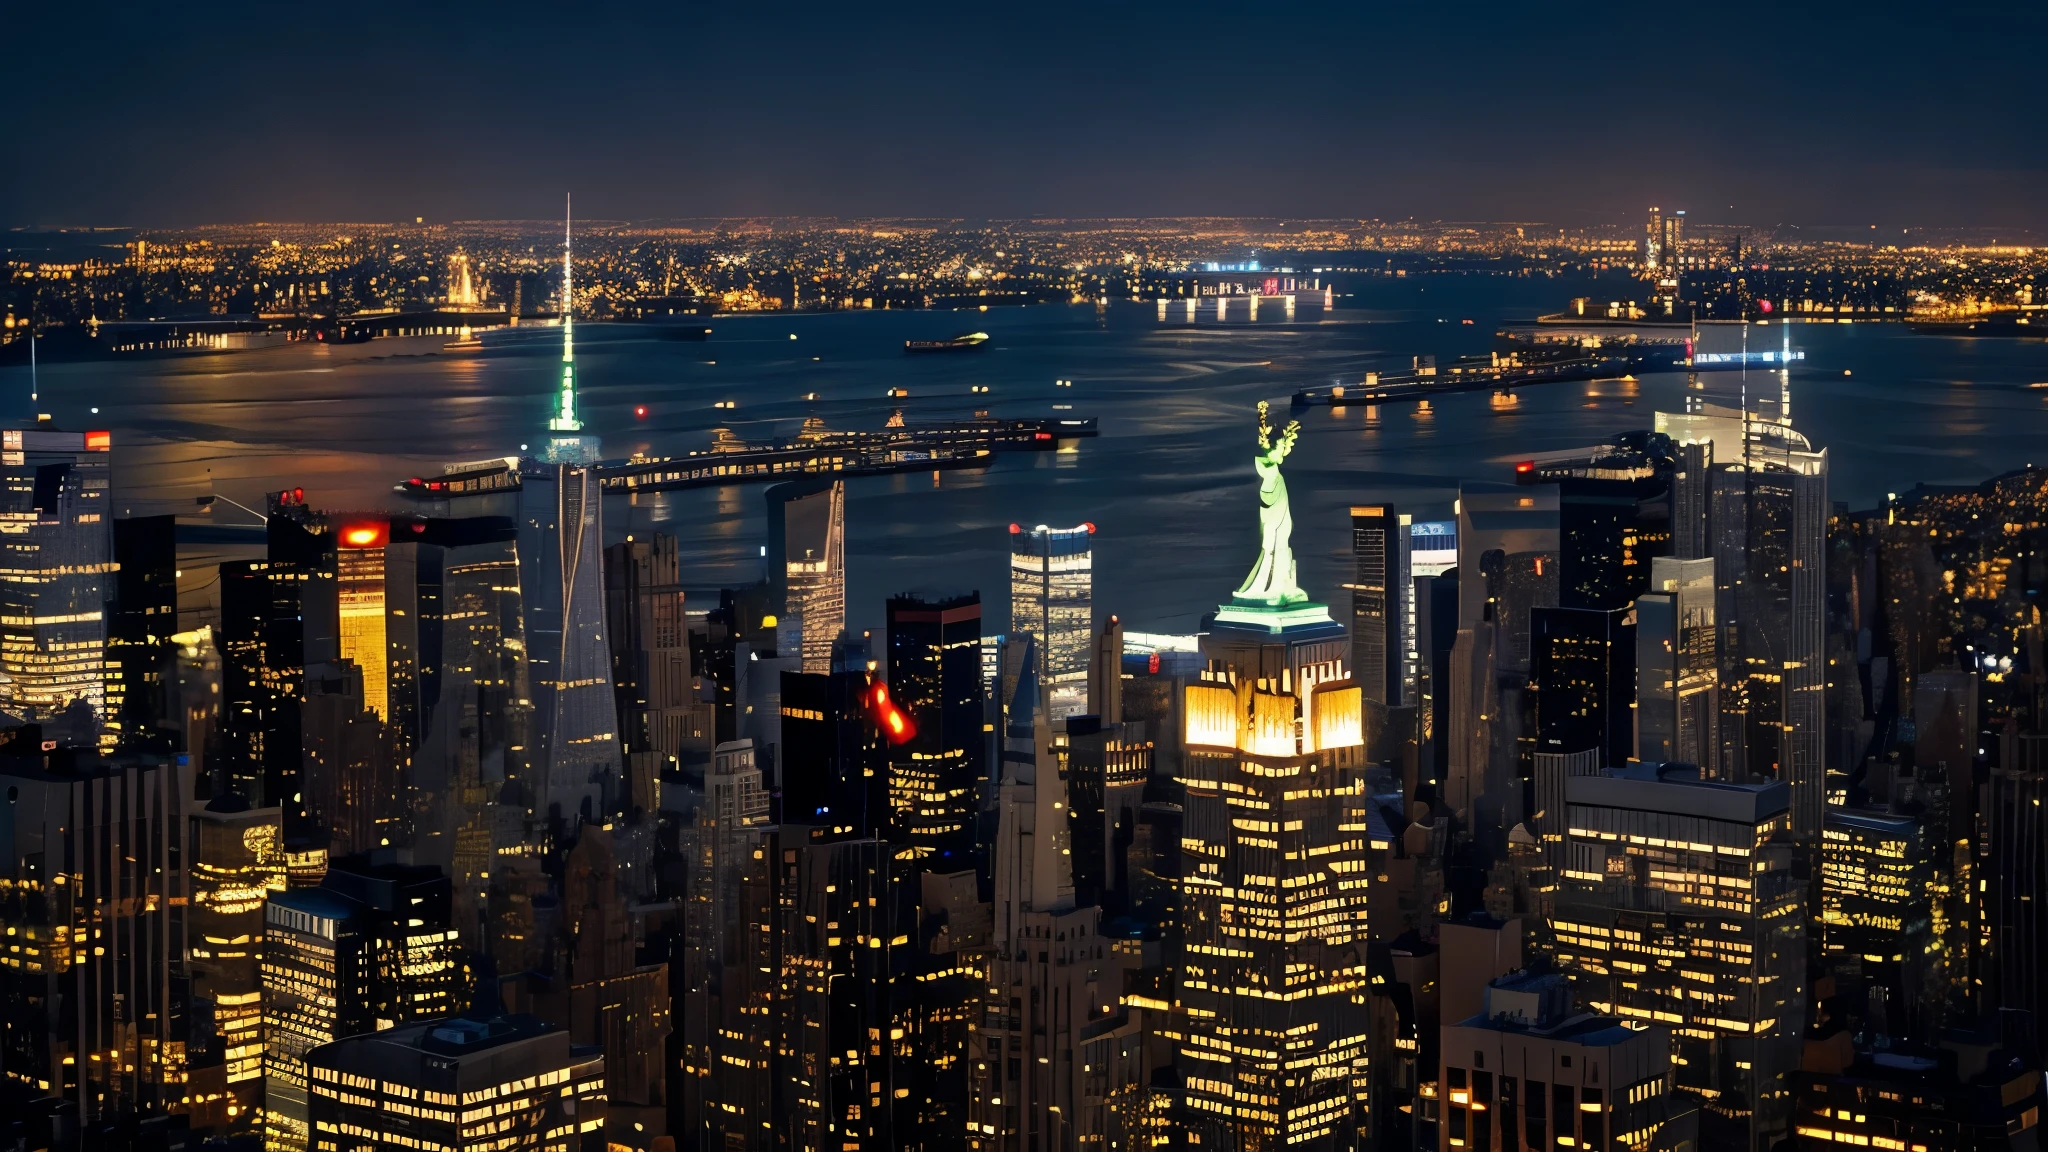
[
  {"x": 565, "y": 420},
  {"x": 34, "y": 384}
]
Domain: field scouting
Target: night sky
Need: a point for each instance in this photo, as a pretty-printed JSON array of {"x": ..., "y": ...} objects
[{"x": 169, "y": 114}]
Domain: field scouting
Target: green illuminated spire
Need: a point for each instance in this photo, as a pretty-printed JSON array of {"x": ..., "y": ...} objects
[{"x": 565, "y": 420}]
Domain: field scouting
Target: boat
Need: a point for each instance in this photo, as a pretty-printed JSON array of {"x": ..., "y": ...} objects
[{"x": 966, "y": 343}]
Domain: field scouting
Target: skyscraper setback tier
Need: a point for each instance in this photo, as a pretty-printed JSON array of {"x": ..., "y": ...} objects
[{"x": 1052, "y": 599}]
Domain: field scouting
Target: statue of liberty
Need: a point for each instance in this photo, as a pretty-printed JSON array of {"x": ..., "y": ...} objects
[{"x": 1271, "y": 581}]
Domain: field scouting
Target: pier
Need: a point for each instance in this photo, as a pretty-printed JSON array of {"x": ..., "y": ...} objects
[{"x": 815, "y": 451}]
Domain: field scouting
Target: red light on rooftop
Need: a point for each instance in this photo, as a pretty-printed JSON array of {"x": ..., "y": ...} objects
[
  {"x": 364, "y": 535},
  {"x": 640, "y": 410},
  {"x": 1015, "y": 529},
  {"x": 1089, "y": 525},
  {"x": 1526, "y": 466}
]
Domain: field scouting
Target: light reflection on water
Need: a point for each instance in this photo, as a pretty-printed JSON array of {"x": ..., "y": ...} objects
[{"x": 1168, "y": 482}]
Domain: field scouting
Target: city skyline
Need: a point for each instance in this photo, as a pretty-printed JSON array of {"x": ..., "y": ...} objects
[{"x": 789, "y": 679}]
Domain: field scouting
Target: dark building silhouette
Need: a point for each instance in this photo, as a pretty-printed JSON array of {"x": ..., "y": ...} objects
[
  {"x": 141, "y": 619},
  {"x": 934, "y": 675}
]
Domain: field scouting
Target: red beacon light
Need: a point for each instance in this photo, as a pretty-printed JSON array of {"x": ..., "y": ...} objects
[
  {"x": 640, "y": 410},
  {"x": 1525, "y": 466}
]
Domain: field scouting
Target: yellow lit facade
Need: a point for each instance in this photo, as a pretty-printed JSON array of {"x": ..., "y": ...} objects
[
  {"x": 56, "y": 572},
  {"x": 238, "y": 860},
  {"x": 1276, "y": 862},
  {"x": 457, "y": 1085},
  {"x": 1677, "y": 906},
  {"x": 364, "y": 640}
]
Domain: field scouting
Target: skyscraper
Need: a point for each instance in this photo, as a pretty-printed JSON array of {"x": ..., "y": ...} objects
[
  {"x": 59, "y": 575},
  {"x": 1380, "y": 613},
  {"x": 650, "y": 657},
  {"x": 142, "y": 618},
  {"x": 934, "y": 675},
  {"x": 1582, "y": 674},
  {"x": 1877, "y": 921},
  {"x": 807, "y": 563},
  {"x": 1049, "y": 973},
  {"x": 1273, "y": 904},
  {"x": 274, "y": 612},
  {"x": 1677, "y": 666},
  {"x": 369, "y": 948},
  {"x": 1106, "y": 673},
  {"x": 1052, "y": 599},
  {"x": 93, "y": 899},
  {"x": 835, "y": 763},
  {"x": 1766, "y": 513},
  {"x": 237, "y": 862},
  {"x": 1662, "y": 865},
  {"x": 558, "y": 508},
  {"x": 359, "y": 594},
  {"x": 1531, "y": 1071}
]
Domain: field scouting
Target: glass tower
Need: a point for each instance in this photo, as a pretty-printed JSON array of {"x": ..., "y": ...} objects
[{"x": 1052, "y": 598}]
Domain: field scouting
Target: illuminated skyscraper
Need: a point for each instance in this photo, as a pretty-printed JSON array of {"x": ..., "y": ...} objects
[
  {"x": 558, "y": 508},
  {"x": 273, "y": 612},
  {"x": 934, "y": 675},
  {"x": 56, "y": 579},
  {"x": 1273, "y": 893},
  {"x": 807, "y": 563},
  {"x": 1877, "y": 921},
  {"x": 1765, "y": 496},
  {"x": 1052, "y": 599},
  {"x": 237, "y": 855},
  {"x": 359, "y": 589},
  {"x": 368, "y": 949},
  {"x": 1678, "y": 905},
  {"x": 421, "y": 1086}
]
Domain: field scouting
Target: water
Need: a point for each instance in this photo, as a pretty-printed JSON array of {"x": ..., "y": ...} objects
[{"x": 1168, "y": 484}]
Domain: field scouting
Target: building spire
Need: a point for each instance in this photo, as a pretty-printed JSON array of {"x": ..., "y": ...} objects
[{"x": 565, "y": 420}]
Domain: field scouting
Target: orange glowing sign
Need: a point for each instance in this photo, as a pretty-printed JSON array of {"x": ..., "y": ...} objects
[
  {"x": 894, "y": 722},
  {"x": 99, "y": 441},
  {"x": 364, "y": 535}
]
